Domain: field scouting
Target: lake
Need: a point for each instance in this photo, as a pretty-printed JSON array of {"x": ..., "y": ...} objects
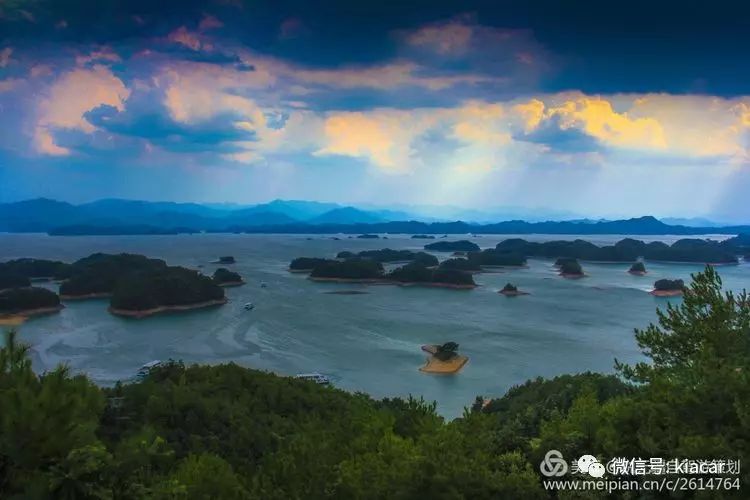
[{"x": 369, "y": 342}]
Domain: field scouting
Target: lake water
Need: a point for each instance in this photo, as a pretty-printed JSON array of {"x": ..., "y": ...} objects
[{"x": 369, "y": 342}]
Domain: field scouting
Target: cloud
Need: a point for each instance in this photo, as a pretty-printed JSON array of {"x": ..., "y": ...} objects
[
  {"x": 98, "y": 56},
  {"x": 185, "y": 37},
  {"x": 209, "y": 23},
  {"x": 444, "y": 38},
  {"x": 70, "y": 98},
  {"x": 9, "y": 84}
]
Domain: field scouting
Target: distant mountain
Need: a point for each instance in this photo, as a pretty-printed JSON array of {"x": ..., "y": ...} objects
[
  {"x": 346, "y": 215},
  {"x": 283, "y": 216}
]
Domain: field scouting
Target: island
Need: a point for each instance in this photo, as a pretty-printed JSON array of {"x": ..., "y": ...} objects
[
  {"x": 19, "y": 304},
  {"x": 511, "y": 290},
  {"x": 227, "y": 259},
  {"x": 36, "y": 269},
  {"x": 638, "y": 269},
  {"x": 224, "y": 277},
  {"x": 497, "y": 258},
  {"x": 444, "y": 359},
  {"x": 668, "y": 288},
  {"x": 629, "y": 250},
  {"x": 305, "y": 264},
  {"x": 388, "y": 255},
  {"x": 452, "y": 246},
  {"x": 469, "y": 265},
  {"x": 348, "y": 271},
  {"x": 422, "y": 237},
  {"x": 368, "y": 236},
  {"x": 10, "y": 279},
  {"x": 571, "y": 269},
  {"x": 142, "y": 294},
  {"x": 420, "y": 275},
  {"x": 97, "y": 275}
]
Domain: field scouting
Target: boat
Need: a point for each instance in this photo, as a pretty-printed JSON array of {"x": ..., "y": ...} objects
[
  {"x": 249, "y": 306},
  {"x": 263, "y": 284},
  {"x": 318, "y": 378},
  {"x": 146, "y": 369}
]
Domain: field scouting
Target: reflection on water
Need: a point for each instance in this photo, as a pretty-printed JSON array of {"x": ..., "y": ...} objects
[{"x": 367, "y": 342}]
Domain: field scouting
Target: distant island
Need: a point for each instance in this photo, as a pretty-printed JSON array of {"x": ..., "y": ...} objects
[
  {"x": 97, "y": 275},
  {"x": 638, "y": 269},
  {"x": 305, "y": 264},
  {"x": 628, "y": 250},
  {"x": 452, "y": 246},
  {"x": 423, "y": 237},
  {"x": 418, "y": 274},
  {"x": 668, "y": 288},
  {"x": 388, "y": 255},
  {"x": 225, "y": 277},
  {"x": 444, "y": 359},
  {"x": 349, "y": 270},
  {"x": 227, "y": 259},
  {"x": 18, "y": 304},
  {"x": 461, "y": 264},
  {"x": 491, "y": 257},
  {"x": 511, "y": 290},
  {"x": 571, "y": 269},
  {"x": 368, "y": 236}
]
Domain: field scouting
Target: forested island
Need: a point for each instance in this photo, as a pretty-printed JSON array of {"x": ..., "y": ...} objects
[
  {"x": 638, "y": 269},
  {"x": 97, "y": 275},
  {"x": 18, "y": 304},
  {"x": 452, "y": 246},
  {"x": 444, "y": 359},
  {"x": 571, "y": 269},
  {"x": 388, "y": 255},
  {"x": 668, "y": 288},
  {"x": 230, "y": 432},
  {"x": 627, "y": 250},
  {"x": 418, "y": 274},
  {"x": 224, "y": 277},
  {"x": 497, "y": 258},
  {"x": 511, "y": 290},
  {"x": 423, "y": 237}
]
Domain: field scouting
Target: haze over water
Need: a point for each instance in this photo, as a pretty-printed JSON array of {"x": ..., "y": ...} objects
[{"x": 367, "y": 343}]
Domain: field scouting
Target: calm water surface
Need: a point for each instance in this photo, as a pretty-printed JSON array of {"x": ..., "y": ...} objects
[{"x": 366, "y": 342}]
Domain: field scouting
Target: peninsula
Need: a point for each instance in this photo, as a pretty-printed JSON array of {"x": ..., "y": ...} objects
[
  {"x": 224, "y": 277},
  {"x": 19, "y": 304}
]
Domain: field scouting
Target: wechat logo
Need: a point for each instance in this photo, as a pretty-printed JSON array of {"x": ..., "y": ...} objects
[
  {"x": 588, "y": 464},
  {"x": 553, "y": 464}
]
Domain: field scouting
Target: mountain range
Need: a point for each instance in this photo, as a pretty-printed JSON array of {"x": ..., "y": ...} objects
[{"x": 115, "y": 216}]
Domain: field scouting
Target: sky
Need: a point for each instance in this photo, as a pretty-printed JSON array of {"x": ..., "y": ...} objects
[{"x": 603, "y": 110}]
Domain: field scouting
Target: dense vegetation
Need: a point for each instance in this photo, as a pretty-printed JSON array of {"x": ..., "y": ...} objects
[
  {"x": 306, "y": 263},
  {"x": 626, "y": 250},
  {"x": 492, "y": 257},
  {"x": 510, "y": 288},
  {"x": 368, "y": 236},
  {"x": 224, "y": 276},
  {"x": 461, "y": 264},
  {"x": 36, "y": 268},
  {"x": 24, "y": 299},
  {"x": 167, "y": 286},
  {"x": 388, "y": 255},
  {"x": 418, "y": 273},
  {"x": 571, "y": 268},
  {"x": 423, "y": 237},
  {"x": 11, "y": 279},
  {"x": 447, "y": 351},
  {"x": 358, "y": 269},
  {"x": 226, "y": 432},
  {"x": 453, "y": 246},
  {"x": 638, "y": 267},
  {"x": 669, "y": 285},
  {"x": 99, "y": 273}
]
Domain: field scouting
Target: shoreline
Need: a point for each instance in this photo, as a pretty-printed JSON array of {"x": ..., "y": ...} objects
[
  {"x": 638, "y": 273},
  {"x": 232, "y": 283},
  {"x": 143, "y": 313},
  {"x": 19, "y": 317},
  {"x": 666, "y": 293},
  {"x": 515, "y": 293},
  {"x": 572, "y": 276},
  {"x": 86, "y": 296},
  {"x": 450, "y": 367}
]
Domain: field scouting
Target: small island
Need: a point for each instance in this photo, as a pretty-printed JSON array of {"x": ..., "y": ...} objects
[
  {"x": 305, "y": 264},
  {"x": 668, "y": 288},
  {"x": 227, "y": 259},
  {"x": 638, "y": 269},
  {"x": 422, "y": 237},
  {"x": 368, "y": 236},
  {"x": 19, "y": 304},
  {"x": 571, "y": 269},
  {"x": 97, "y": 275},
  {"x": 348, "y": 271},
  {"x": 35, "y": 269},
  {"x": 416, "y": 274},
  {"x": 139, "y": 295},
  {"x": 388, "y": 255},
  {"x": 498, "y": 258},
  {"x": 444, "y": 359},
  {"x": 511, "y": 290},
  {"x": 224, "y": 277},
  {"x": 452, "y": 246}
]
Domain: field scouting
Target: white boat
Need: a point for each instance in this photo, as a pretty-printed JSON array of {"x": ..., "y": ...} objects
[
  {"x": 318, "y": 378},
  {"x": 249, "y": 306},
  {"x": 146, "y": 369}
]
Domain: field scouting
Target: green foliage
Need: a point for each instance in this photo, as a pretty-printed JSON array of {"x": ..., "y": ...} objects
[
  {"x": 100, "y": 273},
  {"x": 638, "y": 267},
  {"x": 571, "y": 267},
  {"x": 348, "y": 269},
  {"x": 223, "y": 275},
  {"x": 510, "y": 287},
  {"x": 665, "y": 284},
  {"x": 12, "y": 279},
  {"x": 461, "y": 264},
  {"x": 418, "y": 273},
  {"x": 492, "y": 257},
  {"x": 16, "y": 300},
  {"x": 453, "y": 246},
  {"x": 307, "y": 263},
  {"x": 168, "y": 286},
  {"x": 36, "y": 268}
]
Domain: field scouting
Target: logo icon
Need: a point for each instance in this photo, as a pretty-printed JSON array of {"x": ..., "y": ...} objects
[
  {"x": 591, "y": 465},
  {"x": 553, "y": 464}
]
